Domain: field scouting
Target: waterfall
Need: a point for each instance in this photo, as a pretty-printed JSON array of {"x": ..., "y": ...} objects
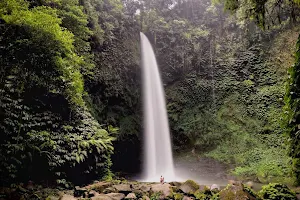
[{"x": 158, "y": 158}]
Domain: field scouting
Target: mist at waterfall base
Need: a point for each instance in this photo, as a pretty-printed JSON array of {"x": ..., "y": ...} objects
[{"x": 157, "y": 150}]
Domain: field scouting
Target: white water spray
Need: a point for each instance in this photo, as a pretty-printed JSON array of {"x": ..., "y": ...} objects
[{"x": 158, "y": 158}]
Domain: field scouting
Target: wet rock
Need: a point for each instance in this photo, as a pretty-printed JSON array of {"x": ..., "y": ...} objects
[
  {"x": 189, "y": 187},
  {"x": 130, "y": 196},
  {"x": 67, "y": 197},
  {"x": 102, "y": 197},
  {"x": 163, "y": 188},
  {"x": 116, "y": 196}
]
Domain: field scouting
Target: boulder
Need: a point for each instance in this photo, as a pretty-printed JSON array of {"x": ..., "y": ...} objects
[
  {"x": 178, "y": 196},
  {"x": 110, "y": 190},
  {"x": 174, "y": 183},
  {"x": 189, "y": 187},
  {"x": 98, "y": 186},
  {"x": 236, "y": 192},
  {"x": 145, "y": 188},
  {"x": 116, "y": 196},
  {"x": 145, "y": 197},
  {"x": 187, "y": 198},
  {"x": 92, "y": 193},
  {"x": 214, "y": 187},
  {"x": 102, "y": 197},
  {"x": 163, "y": 188},
  {"x": 78, "y": 192},
  {"x": 52, "y": 198},
  {"x": 123, "y": 188},
  {"x": 130, "y": 196},
  {"x": 67, "y": 197},
  {"x": 249, "y": 184}
]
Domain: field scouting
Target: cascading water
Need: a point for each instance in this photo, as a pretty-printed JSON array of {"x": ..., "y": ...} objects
[{"x": 158, "y": 158}]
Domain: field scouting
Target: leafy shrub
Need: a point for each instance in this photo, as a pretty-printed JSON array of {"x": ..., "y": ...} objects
[{"x": 277, "y": 191}]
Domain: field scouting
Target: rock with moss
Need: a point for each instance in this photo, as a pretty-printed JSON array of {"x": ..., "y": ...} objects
[
  {"x": 123, "y": 188},
  {"x": 236, "y": 192},
  {"x": 189, "y": 187},
  {"x": 156, "y": 196},
  {"x": 99, "y": 186},
  {"x": 204, "y": 193},
  {"x": 164, "y": 189},
  {"x": 175, "y": 183},
  {"x": 178, "y": 196},
  {"x": 277, "y": 191},
  {"x": 116, "y": 196},
  {"x": 187, "y": 198},
  {"x": 110, "y": 190}
]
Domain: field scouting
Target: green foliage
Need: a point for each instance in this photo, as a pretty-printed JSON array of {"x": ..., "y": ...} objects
[
  {"x": 155, "y": 196},
  {"x": 47, "y": 131},
  {"x": 178, "y": 196},
  {"x": 277, "y": 191},
  {"x": 292, "y": 113}
]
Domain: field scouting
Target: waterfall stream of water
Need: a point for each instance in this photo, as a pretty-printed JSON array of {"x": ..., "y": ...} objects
[{"x": 158, "y": 158}]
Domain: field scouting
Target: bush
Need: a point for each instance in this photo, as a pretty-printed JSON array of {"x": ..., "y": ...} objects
[{"x": 277, "y": 191}]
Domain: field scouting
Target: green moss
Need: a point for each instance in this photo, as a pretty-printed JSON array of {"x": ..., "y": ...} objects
[
  {"x": 155, "y": 196},
  {"x": 192, "y": 184},
  {"x": 277, "y": 191},
  {"x": 178, "y": 196}
]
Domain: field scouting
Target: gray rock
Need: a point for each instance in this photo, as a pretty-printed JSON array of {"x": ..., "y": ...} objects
[
  {"x": 145, "y": 188},
  {"x": 102, "y": 197},
  {"x": 99, "y": 187},
  {"x": 235, "y": 192},
  {"x": 187, "y": 198},
  {"x": 116, "y": 196},
  {"x": 189, "y": 187},
  {"x": 249, "y": 184},
  {"x": 52, "y": 198},
  {"x": 130, "y": 196},
  {"x": 123, "y": 188},
  {"x": 110, "y": 190},
  {"x": 174, "y": 183},
  {"x": 164, "y": 188},
  {"x": 146, "y": 197},
  {"x": 214, "y": 187},
  {"x": 92, "y": 193},
  {"x": 68, "y": 197}
]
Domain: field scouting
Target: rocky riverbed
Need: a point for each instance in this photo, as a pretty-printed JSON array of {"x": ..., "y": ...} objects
[{"x": 119, "y": 190}]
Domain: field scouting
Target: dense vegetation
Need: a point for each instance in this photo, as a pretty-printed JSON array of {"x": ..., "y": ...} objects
[{"x": 70, "y": 106}]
